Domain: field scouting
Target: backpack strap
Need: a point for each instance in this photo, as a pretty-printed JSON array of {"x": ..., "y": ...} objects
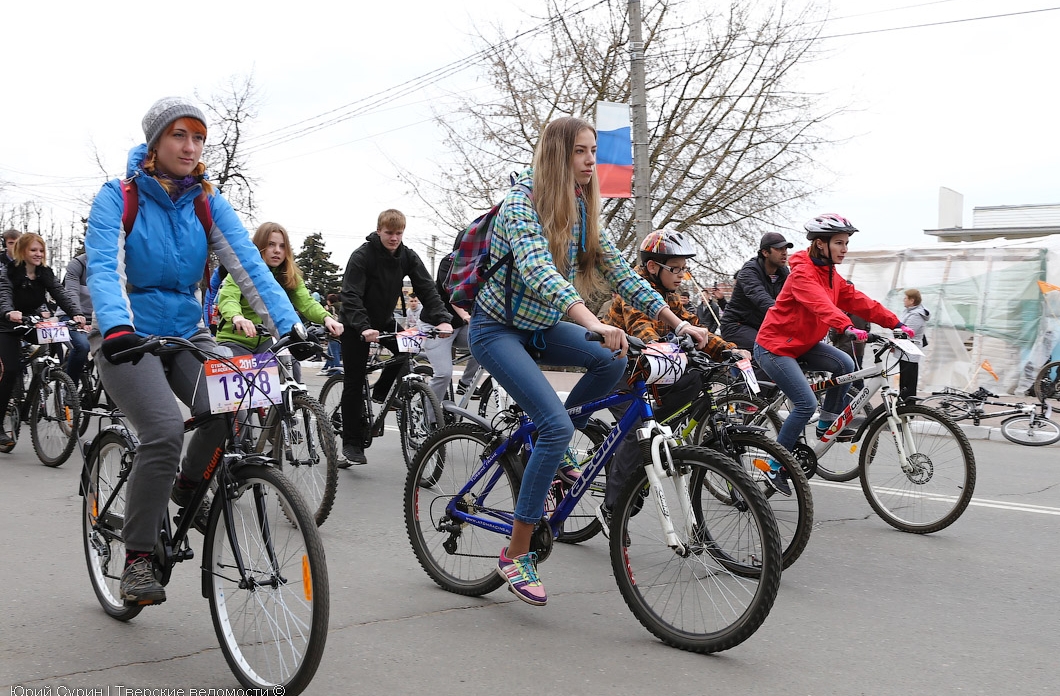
[
  {"x": 507, "y": 260},
  {"x": 130, "y": 194}
]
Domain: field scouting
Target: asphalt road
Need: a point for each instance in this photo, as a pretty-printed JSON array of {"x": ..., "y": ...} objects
[{"x": 866, "y": 610}]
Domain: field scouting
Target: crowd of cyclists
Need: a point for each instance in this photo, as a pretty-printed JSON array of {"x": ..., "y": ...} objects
[{"x": 150, "y": 233}]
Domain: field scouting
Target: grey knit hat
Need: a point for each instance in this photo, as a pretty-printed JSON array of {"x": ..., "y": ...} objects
[{"x": 164, "y": 112}]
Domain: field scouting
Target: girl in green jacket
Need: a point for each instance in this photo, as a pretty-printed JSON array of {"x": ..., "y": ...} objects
[{"x": 238, "y": 321}]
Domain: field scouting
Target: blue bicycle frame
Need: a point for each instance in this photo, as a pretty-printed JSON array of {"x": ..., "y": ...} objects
[{"x": 639, "y": 409}]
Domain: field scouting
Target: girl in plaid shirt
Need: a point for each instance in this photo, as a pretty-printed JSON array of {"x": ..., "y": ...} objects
[{"x": 560, "y": 255}]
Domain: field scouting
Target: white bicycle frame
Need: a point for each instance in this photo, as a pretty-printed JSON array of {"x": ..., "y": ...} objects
[{"x": 876, "y": 380}]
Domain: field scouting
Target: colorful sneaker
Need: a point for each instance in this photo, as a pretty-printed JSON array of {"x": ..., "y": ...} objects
[
  {"x": 521, "y": 574},
  {"x": 569, "y": 471},
  {"x": 778, "y": 481},
  {"x": 139, "y": 586}
]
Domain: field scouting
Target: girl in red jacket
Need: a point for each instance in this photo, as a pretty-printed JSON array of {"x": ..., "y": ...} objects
[{"x": 814, "y": 299}]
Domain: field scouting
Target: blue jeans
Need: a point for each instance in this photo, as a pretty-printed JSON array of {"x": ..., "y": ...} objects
[
  {"x": 78, "y": 355},
  {"x": 502, "y": 351},
  {"x": 334, "y": 360},
  {"x": 789, "y": 377}
]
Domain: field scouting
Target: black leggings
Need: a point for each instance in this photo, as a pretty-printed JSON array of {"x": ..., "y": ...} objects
[{"x": 10, "y": 367}]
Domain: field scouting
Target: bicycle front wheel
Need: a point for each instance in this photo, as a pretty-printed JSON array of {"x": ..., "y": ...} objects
[
  {"x": 492, "y": 399},
  {"x": 743, "y": 409},
  {"x": 267, "y": 581},
  {"x": 102, "y": 520},
  {"x": 718, "y": 591},
  {"x": 794, "y": 513},
  {"x": 955, "y": 406},
  {"x": 460, "y": 557},
  {"x": 420, "y": 413},
  {"x": 1033, "y": 431},
  {"x": 304, "y": 444},
  {"x": 932, "y": 486},
  {"x": 55, "y": 416}
]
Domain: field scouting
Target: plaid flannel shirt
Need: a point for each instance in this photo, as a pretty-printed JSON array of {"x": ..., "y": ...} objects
[
  {"x": 540, "y": 295},
  {"x": 649, "y": 330}
]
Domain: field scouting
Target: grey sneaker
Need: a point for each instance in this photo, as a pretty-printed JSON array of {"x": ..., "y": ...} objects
[
  {"x": 354, "y": 454},
  {"x": 139, "y": 586},
  {"x": 603, "y": 513},
  {"x": 182, "y": 497}
]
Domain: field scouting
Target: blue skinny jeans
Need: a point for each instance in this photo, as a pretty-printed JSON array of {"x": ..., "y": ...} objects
[
  {"x": 788, "y": 375},
  {"x": 502, "y": 350}
]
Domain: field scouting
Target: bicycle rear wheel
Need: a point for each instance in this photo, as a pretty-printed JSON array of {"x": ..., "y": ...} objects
[
  {"x": 933, "y": 486},
  {"x": 794, "y": 514},
  {"x": 419, "y": 414},
  {"x": 955, "y": 406},
  {"x": 582, "y": 524},
  {"x": 304, "y": 444},
  {"x": 272, "y": 618},
  {"x": 12, "y": 424},
  {"x": 108, "y": 458},
  {"x": 459, "y": 557},
  {"x": 1047, "y": 382},
  {"x": 331, "y": 399},
  {"x": 54, "y": 419},
  {"x": 1034, "y": 431},
  {"x": 717, "y": 594}
]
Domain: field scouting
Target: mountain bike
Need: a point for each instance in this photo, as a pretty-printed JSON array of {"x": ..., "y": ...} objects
[
  {"x": 491, "y": 398},
  {"x": 263, "y": 566},
  {"x": 1024, "y": 424},
  {"x": 418, "y": 411},
  {"x": 698, "y": 572},
  {"x": 50, "y": 404},
  {"x": 916, "y": 466},
  {"x": 295, "y": 430},
  {"x": 723, "y": 424}
]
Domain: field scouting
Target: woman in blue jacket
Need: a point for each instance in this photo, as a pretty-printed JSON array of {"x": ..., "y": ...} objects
[{"x": 145, "y": 281}]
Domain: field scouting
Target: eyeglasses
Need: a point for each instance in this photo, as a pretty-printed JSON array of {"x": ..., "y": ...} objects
[{"x": 676, "y": 270}]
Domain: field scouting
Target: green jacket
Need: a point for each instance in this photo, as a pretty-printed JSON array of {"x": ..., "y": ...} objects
[{"x": 231, "y": 303}]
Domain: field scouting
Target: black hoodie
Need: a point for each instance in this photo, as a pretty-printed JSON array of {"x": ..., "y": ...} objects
[{"x": 372, "y": 284}]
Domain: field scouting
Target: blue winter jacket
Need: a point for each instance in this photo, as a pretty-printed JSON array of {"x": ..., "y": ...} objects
[{"x": 149, "y": 279}]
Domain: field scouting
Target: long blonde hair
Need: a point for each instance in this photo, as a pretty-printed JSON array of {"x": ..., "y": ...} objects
[
  {"x": 288, "y": 275},
  {"x": 556, "y": 196}
]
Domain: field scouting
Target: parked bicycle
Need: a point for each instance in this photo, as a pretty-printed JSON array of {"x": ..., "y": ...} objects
[
  {"x": 418, "y": 411},
  {"x": 263, "y": 566},
  {"x": 1047, "y": 382},
  {"x": 698, "y": 572},
  {"x": 1024, "y": 424},
  {"x": 50, "y": 404},
  {"x": 916, "y": 466}
]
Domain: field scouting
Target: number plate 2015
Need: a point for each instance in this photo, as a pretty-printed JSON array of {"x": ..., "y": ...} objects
[{"x": 256, "y": 383}]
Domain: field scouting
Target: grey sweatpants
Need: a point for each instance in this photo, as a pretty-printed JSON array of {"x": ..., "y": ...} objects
[{"x": 144, "y": 392}]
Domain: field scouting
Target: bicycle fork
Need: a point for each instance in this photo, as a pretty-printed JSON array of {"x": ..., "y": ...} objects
[{"x": 655, "y": 442}]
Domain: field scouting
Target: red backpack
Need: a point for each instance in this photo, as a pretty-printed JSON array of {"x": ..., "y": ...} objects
[{"x": 471, "y": 262}]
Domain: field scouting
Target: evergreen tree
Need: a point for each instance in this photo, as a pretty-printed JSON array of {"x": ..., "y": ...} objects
[{"x": 321, "y": 275}]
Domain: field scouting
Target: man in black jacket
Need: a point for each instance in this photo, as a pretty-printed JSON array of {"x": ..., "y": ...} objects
[
  {"x": 371, "y": 289},
  {"x": 757, "y": 285}
]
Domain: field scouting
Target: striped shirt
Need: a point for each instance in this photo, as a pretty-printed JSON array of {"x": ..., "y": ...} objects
[{"x": 540, "y": 295}]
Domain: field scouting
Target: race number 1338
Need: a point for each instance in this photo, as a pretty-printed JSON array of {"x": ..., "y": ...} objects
[{"x": 230, "y": 389}]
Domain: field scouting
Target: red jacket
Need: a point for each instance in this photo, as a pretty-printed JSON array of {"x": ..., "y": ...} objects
[{"x": 812, "y": 300}]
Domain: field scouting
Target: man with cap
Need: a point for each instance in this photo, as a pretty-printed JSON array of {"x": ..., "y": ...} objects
[{"x": 757, "y": 285}]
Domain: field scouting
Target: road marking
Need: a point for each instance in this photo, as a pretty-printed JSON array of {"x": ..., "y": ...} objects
[{"x": 978, "y": 502}]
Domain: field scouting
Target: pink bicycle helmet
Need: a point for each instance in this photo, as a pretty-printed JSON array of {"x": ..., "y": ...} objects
[{"x": 828, "y": 224}]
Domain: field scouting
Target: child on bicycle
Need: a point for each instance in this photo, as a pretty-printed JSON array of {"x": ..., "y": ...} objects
[
  {"x": 146, "y": 281},
  {"x": 24, "y": 284},
  {"x": 664, "y": 256},
  {"x": 237, "y": 326},
  {"x": 560, "y": 255},
  {"x": 814, "y": 298}
]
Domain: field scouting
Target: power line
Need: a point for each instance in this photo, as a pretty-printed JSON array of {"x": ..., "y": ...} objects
[{"x": 936, "y": 24}]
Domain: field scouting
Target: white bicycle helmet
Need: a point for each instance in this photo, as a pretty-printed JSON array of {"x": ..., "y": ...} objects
[
  {"x": 661, "y": 245},
  {"x": 826, "y": 225}
]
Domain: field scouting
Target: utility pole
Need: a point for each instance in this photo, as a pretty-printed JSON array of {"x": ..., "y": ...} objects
[{"x": 639, "y": 112}]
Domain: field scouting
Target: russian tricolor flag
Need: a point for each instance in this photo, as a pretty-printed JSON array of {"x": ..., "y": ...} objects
[{"x": 614, "y": 150}]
